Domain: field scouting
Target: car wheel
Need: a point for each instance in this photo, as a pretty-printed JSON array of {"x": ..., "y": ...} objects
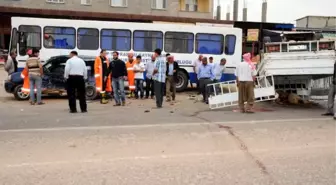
[
  {"x": 19, "y": 95},
  {"x": 182, "y": 81},
  {"x": 91, "y": 92}
]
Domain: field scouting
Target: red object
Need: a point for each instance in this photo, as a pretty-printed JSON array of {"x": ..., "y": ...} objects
[{"x": 29, "y": 52}]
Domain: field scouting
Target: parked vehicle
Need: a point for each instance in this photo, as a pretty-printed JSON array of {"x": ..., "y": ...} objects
[
  {"x": 296, "y": 59},
  {"x": 53, "y": 82},
  {"x": 60, "y": 36}
]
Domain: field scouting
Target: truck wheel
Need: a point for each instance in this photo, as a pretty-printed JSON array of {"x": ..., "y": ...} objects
[
  {"x": 182, "y": 81},
  {"x": 91, "y": 92},
  {"x": 19, "y": 95}
]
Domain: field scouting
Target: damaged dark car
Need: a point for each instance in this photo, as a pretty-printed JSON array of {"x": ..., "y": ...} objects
[{"x": 53, "y": 81}]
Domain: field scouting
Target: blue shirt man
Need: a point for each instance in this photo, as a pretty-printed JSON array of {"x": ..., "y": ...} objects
[
  {"x": 205, "y": 77},
  {"x": 206, "y": 71}
]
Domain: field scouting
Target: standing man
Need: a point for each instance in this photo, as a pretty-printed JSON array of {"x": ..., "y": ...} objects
[
  {"x": 103, "y": 81},
  {"x": 219, "y": 70},
  {"x": 331, "y": 111},
  {"x": 159, "y": 77},
  {"x": 245, "y": 74},
  {"x": 35, "y": 73},
  {"x": 149, "y": 77},
  {"x": 130, "y": 74},
  {"x": 139, "y": 69},
  {"x": 76, "y": 73},
  {"x": 119, "y": 74},
  {"x": 205, "y": 77},
  {"x": 211, "y": 61},
  {"x": 196, "y": 65},
  {"x": 11, "y": 65},
  {"x": 171, "y": 74}
]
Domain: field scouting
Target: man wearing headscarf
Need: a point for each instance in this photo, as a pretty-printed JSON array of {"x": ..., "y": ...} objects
[{"x": 245, "y": 74}]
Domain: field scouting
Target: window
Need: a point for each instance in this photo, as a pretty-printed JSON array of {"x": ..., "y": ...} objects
[
  {"x": 88, "y": 38},
  {"x": 30, "y": 37},
  {"x": 209, "y": 43},
  {"x": 86, "y": 2},
  {"x": 179, "y": 42},
  {"x": 120, "y": 3},
  {"x": 191, "y": 5},
  {"x": 59, "y": 37},
  {"x": 147, "y": 40},
  {"x": 159, "y": 4},
  {"x": 55, "y": 1},
  {"x": 14, "y": 41},
  {"x": 230, "y": 44},
  {"x": 116, "y": 40}
]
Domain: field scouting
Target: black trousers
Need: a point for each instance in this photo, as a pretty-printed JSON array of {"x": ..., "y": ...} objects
[
  {"x": 76, "y": 84},
  {"x": 159, "y": 93},
  {"x": 203, "y": 83},
  {"x": 149, "y": 87}
]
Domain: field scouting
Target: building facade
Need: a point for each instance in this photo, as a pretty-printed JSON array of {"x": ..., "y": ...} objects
[
  {"x": 316, "y": 22},
  {"x": 184, "y": 11},
  {"x": 175, "y": 8}
]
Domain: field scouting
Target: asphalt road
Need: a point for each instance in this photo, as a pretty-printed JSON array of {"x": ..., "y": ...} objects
[{"x": 184, "y": 143}]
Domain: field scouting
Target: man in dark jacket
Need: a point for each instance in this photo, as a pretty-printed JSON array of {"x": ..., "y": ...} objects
[
  {"x": 119, "y": 74},
  {"x": 171, "y": 74},
  {"x": 331, "y": 97}
]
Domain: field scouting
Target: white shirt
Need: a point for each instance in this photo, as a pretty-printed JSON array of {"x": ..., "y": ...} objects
[
  {"x": 75, "y": 66},
  {"x": 141, "y": 67},
  {"x": 196, "y": 64},
  {"x": 244, "y": 72},
  {"x": 218, "y": 70}
]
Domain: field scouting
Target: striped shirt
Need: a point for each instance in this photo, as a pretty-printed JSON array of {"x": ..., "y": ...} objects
[
  {"x": 160, "y": 65},
  {"x": 34, "y": 66}
]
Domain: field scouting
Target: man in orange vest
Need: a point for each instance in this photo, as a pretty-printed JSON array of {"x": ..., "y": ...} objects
[
  {"x": 130, "y": 74},
  {"x": 103, "y": 80}
]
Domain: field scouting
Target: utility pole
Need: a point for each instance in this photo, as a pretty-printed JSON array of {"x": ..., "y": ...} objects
[
  {"x": 235, "y": 10},
  {"x": 245, "y": 11},
  {"x": 264, "y": 11},
  {"x": 219, "y": 10},
  {"x": 228, "y": 13}
]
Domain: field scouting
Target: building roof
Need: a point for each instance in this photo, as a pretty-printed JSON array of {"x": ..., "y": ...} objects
[
  {"x": 315, "y": 16},
  {"x": 48, "y": 13}
]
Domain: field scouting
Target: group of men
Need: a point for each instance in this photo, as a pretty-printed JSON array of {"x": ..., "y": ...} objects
[
  {"x": 161, "y": 78},
  {"x": 161, "y": 74},
  {"x": 207, "y": 73}
]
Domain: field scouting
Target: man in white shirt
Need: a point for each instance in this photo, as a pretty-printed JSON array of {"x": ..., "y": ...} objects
[
  {"x": 211, "y": 62},
  {"x": 76, "y": 73},
  {"x": 219, "y": 69},
  {"x": 245, "y": 74},
  {"x": 196, "y": 65},
  {"x": 139, "y": 69}
]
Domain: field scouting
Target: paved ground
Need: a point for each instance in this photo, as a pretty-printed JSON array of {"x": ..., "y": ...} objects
[{"x": 184, "y": 143}]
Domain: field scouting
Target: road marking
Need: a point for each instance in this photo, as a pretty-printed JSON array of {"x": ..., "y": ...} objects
[
  {"x": 168, "y": 156},
  {"x": 161, "y": 125}
]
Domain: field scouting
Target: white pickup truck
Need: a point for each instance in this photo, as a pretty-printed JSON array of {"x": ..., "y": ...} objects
[{"x": 294, "y": 65}]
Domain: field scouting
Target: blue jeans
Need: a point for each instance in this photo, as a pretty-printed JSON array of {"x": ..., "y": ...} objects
[
  {"x": 118, "y": 89},
  {"x": 139, "y": 88},
  {"x": 35, "y": 81}
]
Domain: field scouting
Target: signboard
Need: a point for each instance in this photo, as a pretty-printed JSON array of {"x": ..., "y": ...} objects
[
  {"x": 298, "y": 47},
  {"x": 252, "y": 35},
  {"x": 329, "y": 36},
  {"x": 214, "y": 25}
]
